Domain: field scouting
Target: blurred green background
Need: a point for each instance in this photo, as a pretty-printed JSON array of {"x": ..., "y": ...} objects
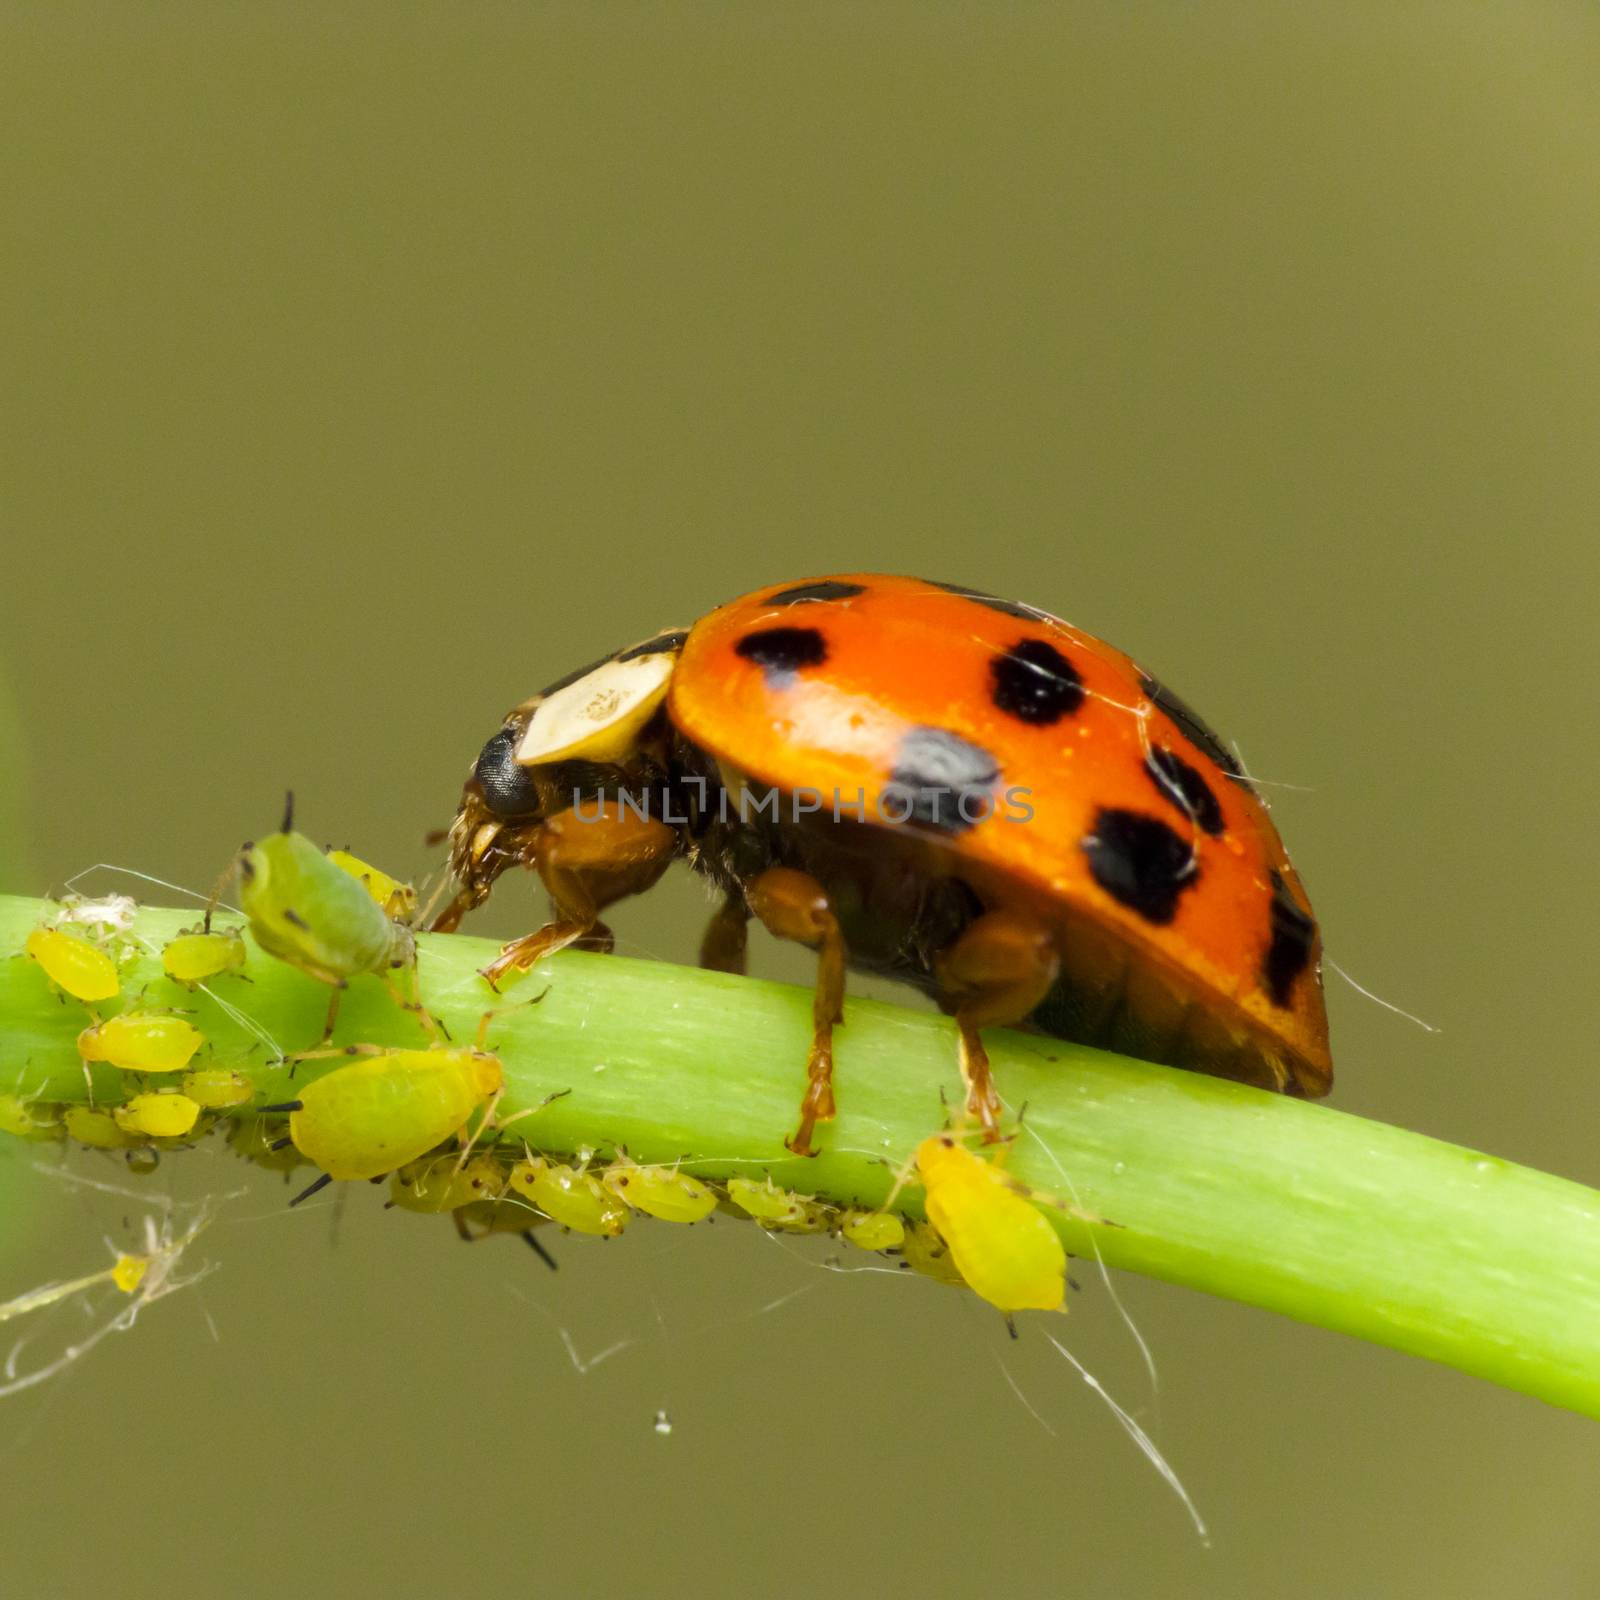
[{"x": 367, "y": 367}]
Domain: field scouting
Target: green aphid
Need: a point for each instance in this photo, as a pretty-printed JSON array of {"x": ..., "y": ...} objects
[{"x": 306, "y": 910}]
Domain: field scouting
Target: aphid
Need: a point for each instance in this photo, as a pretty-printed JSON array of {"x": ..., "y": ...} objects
[
  {"x": 141, "y": 1041},
  {"x": 485, "y": 1203},
  {"x": 872, "y": 1230},
  {"x": 99, "y": 1129},
  {"x": 305, "y": 910},
  {"x": 255, "y": 1138},
  {"x": 661, "y": 1192},
  {"x": 571, "y": 1196},
  {"x": 777, "y": 1208},
  {"x": 380, "y": 1112},
  {"x": 162, "y": 1115},
  {"x": 1000, "y": 1242},
  {"x": 442, "y": 1183},
  {"x": 30, "y": 1119},
  {"x": 396, "y": 899},
  {"x": 921, "y": 780},
  {"x": 74, "y": 965},
  {"x": 925, "y": 1252},
  {"x": 218, "y": 1088},
  {"x": 194, "y": 958}
]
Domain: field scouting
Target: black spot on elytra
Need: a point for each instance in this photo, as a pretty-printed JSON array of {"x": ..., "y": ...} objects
[
  {"x": 825, "y": 589},
  {"x": 1193, "y": 727},
  {"x": 1289, "y": 953},
  {"x": 662, "y": 644},
  {"x": 782, "y": 652},
  {"x": 508, "y": 788},
  {"x": 1035, "y": 683},
  {"x": 940, "y": 780},
  {"x": 1008, "y": 608},
  {"x": 1140, "y": 862},
  {"x": 1185, "y": 788}
]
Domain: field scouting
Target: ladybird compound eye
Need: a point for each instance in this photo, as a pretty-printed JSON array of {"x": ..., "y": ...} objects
[{"x": 508, "y": 789}]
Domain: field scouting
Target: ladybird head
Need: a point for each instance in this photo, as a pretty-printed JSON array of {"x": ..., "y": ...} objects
[{"x": 590, "y": 722}]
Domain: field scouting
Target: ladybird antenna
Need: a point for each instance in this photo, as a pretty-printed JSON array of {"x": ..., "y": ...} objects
[{"x": 288, "y": 811}]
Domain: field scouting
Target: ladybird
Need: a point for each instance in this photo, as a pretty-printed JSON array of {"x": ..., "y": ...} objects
[{"x": 926, "y": 782}]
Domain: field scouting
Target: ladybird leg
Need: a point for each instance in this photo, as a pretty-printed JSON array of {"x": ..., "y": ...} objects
[
  {"x": 586, "y": 863},
  {"x": 792, "y": 905},
  {"x": 994, "y": 974},
  {"x": 723, "y": 947}
]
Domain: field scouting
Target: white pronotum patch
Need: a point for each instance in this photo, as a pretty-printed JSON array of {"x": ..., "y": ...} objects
[{"x": 598, "y": 717}]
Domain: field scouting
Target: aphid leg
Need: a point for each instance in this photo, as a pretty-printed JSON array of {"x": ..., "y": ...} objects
[
  {"x": 409, "y": 998},
  {"x": 723, "y": 947},
  {"x": 791, "y": 905},
  {"x": 587, "y": 864},
  {"x": 333, "y": 1010},
  {"x": 995, "y": 973},
  {"x": 483, "y": 1127}
]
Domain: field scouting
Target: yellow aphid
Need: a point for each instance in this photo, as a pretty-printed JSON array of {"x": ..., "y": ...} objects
[
  {"x": 438, "y": 1183},
  {"x": 576, "y": 1199},
  {"x": 1001, "y": 1243},
  {"x": 367, "y": 1118},
  {"x": 162, "y": 1116},
  {"x": 925, "y": 1252},
  {"x": 872, "y": 1230},
  {"x": 29, "y": 1119},
  {"x": 99, "y": 1129},
  {"x": 661, "y": 1192},
  {"x": 778, "y": 1208},
  {"x": 397, "y": 899},
  {"x": 128, "y": 1272},
  {"x": 217, "y": 1088},
  {"x": 74, "y": 965},
  {"x": 141, "y": 1041},
  {"x": 506, "y": 1213},
  {"x": 257, "y": 1139},
  {"x": 192, "y": 958}
]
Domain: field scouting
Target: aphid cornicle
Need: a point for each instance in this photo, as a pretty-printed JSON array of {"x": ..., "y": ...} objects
[
  {"x": 307, "y": 910},
  {"x": 926, "y": 782}
]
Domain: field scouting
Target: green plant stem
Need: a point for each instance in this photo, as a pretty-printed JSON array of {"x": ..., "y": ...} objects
[{"x": 1328, "y": 1218}]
